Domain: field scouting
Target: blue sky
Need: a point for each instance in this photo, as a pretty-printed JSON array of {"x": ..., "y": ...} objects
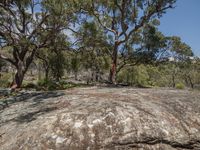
[{"x": 184, "y": 21}]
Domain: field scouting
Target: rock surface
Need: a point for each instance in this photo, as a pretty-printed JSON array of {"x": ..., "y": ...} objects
[{"x": 102, "y": 118}]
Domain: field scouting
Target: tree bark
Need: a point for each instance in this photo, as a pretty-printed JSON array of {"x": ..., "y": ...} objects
[
  {"x": 39, "y": 72},
  {"x": 191, "y": 83},
  {"x": 0, "y": 72},
  {"x": 76, "y": 75},
  {"x": 47, "y": 73},
  {"x": 173, "y": 81},
  {"x": 19, "y": 76},
  {"x": 18, "y": 79},
  {"x": 97, "y": 74},
  {"x": 113, "y": 69}
]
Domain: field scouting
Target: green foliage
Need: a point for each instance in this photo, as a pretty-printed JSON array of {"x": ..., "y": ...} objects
[
  {"x": 164, "y": 75},
  {"x": 154, "y": 74},
  {"x": 180, "y": 47},
  {"x": 47, "y": 85},
  {"x": 190, "y": 72},
  {"x": 180, "y": 86},
  {"x": 57, "y": 65},
  {"x": 137, "y": 76},
  {"x": 29, "y": 85},
  {"x": 5, "y": 79},
  {"x": 33, "y": 25},
  {"x": 113, "y": 35},
  {"x": 2, "y": 63},
  {"x": 75, "y": 63},
  {"x": 52, "y": 85}
]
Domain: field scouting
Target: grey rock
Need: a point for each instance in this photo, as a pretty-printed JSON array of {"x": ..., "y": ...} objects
[
  {"x": 103, "y": 119},
  {"x": 4, "y": 92}
]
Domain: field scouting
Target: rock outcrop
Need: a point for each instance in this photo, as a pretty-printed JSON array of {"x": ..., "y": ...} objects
[{"x": 102, "y": 118}]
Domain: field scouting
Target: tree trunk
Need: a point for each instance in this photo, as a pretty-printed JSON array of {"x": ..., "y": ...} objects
[
  {"x": 92, "y": 76},
  {"x": 76, "y": 75},
  {"x": 19, "y": 76},
  {"x": 173, "y": 81},
  {"x": 191, "y": 83},
  {"x": 18, "y": 79},
  {"x": 47, "y": 73},
  {"x": 186, "y": 81},
  {"x": 39, "y": 72},
  {"x": 57, "y": 77},
  {"x": 0, "y": 73},
  {"x": 113, "y": 69},
  {"x": 97, "y": 76}
]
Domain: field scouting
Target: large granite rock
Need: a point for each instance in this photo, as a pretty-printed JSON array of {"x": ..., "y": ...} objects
[{"x": 102, "y": 118}]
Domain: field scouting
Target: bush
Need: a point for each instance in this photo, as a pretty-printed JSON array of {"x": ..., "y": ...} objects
[
  {"x": 42, "y": 82},
  {"x": 47, "y": 85},
  {"x": 180, "y": 86},
  {"x": 136, "y": 75},
  {"x": 57, "y": 65},
  {"x": 53, "y": 85},
  {"x": 5, "y": 80},
  {"x": 30, "y": 86}
]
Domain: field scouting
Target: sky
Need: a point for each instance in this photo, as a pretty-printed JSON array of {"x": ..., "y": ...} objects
[{"x": 184, "y": 21}]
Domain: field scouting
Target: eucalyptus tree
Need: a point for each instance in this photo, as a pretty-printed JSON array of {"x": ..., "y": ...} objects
[
  {"x": 122, "y": 19},
  {"x": 53, "y": 57},
  {"x": 26, "y": 26},
  {"x": 94, "y": 48},
  {"x": 190, "y": 71},
  {"x": 177, "y": 49},
  {"x": 144, "y": 48},
  {"x": 178, "y": 54},
  {"x": 19, "y": 26}
]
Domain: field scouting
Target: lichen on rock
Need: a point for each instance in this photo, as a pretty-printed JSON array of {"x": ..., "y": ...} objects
[{"x": 103, "y": 118}]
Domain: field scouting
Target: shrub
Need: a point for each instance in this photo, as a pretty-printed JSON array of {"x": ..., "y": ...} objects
[
  {"x": 180, "y": 86},
  {"x": 53, "y": 85},
  {"x": 30, "y": 86},
  {"x": 57, "y": 65},
  {"x": 46, "y": 85},
  {"x": 5, "y": 80},
  {"x": 136, "y": 75}
]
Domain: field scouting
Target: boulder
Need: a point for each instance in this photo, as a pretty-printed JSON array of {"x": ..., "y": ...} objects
[{"x": 102, "y": 118}]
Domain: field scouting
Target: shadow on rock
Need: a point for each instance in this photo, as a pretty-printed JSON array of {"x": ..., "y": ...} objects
[
  {"x": 27, "y": 107},
  {"x": 37, "y": 97},
  {"x": 28, "y": 117}
]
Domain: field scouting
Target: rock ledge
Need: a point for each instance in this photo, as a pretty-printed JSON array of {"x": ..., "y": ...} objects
[{"x": 102, "y": 118}]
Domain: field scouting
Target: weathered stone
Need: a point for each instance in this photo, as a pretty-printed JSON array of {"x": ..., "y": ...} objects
[
  {"x": 4, "y": 92},
  {"x": 103, "y": 118}
]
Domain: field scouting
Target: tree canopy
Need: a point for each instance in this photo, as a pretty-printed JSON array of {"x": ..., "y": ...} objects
[{"x": 103, "y": 37}]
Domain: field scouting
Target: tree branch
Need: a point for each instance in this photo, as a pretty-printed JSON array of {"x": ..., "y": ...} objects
[
  {"x": 99, "y": 20},
  {"x": 7, "y": 59}
]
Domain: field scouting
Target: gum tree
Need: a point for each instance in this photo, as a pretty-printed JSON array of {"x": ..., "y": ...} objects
[
  {"x": 122, "y": 20},
  {"x": 19, "y": 27},
  {"x": 26, "y": 26}
]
